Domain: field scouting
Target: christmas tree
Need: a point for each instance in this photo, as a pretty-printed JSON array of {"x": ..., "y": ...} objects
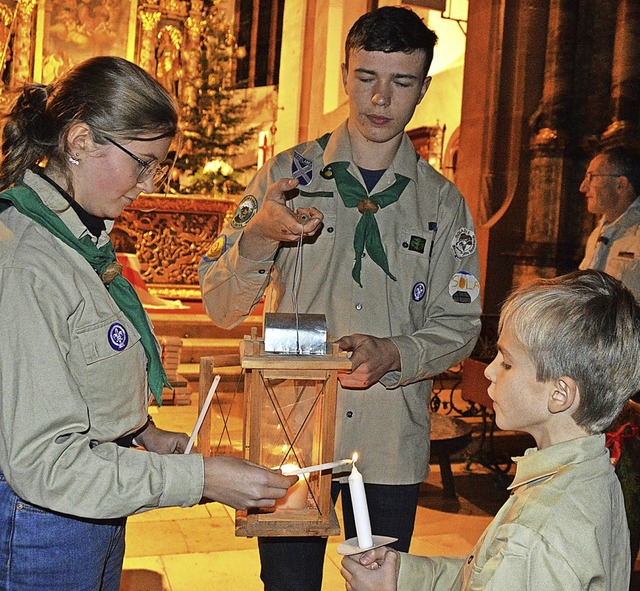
[{"x": 212, "y": 115}]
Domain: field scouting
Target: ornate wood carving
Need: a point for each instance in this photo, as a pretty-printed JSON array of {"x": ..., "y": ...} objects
[{"x": 170, "y": 235}]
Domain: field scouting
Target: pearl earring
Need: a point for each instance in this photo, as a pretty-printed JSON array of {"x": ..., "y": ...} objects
[{"x": 74, "y": 160}]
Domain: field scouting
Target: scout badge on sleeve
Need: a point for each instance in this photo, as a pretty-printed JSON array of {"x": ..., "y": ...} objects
[
  {"x": 216, "y": 250},
  {"x": 463, "y": 243},
  {"x": 464, "y": 288},
  {"x": 301, "y": 169},
  {"x": 245, "y": 211}
]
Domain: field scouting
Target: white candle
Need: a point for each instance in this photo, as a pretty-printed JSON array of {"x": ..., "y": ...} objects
[
  {"x": 291, "y": 469},
  {"x": 360, "y": 509},
  {"x": 202, "y": 414}
]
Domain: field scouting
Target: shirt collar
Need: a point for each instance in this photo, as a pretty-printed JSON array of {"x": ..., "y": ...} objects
[
  {"x": 404, "y": 163},
  {"x": 542, "y": 463},
  {"x": 630, "y": 217},
  {"x": 59, "y": 205}
]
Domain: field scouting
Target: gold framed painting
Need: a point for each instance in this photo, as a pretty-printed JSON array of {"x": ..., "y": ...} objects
[{"x": 70, "y": 31}]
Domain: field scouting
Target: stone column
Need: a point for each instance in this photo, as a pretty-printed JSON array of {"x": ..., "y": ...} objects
[
  {"x": 625, "y": 77},
  {"x": 548, "y": 171}
]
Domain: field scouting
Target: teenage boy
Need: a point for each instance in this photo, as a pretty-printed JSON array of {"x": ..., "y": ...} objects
[
  {"x": 391, "y": 262},
  {"x": 568, "y": 360}
]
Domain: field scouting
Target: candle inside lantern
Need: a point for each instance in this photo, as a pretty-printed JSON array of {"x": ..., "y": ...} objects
[
  {"x": 360, "y": 509},
  {"x": 296, "y": 497}
]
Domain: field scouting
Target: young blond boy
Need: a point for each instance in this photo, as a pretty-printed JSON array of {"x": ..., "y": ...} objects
[{"x": 568, "y": 360}]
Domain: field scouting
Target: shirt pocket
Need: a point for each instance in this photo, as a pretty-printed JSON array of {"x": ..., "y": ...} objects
[
  {"x": 624, "y": 262},
  {"x": 112, "y": 369},
  {"x": 106, "y": 339}
]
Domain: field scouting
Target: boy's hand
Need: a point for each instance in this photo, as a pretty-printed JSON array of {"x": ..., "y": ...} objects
[
  {"x": 371, "y": 358},
  {"x": 375, "y": 570},
  {"x": 275, "y": 222}
]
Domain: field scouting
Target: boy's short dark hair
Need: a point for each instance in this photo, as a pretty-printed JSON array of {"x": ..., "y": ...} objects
[
  {"x": 584, "y": 325},
  {"x": 391, "y": 29}
]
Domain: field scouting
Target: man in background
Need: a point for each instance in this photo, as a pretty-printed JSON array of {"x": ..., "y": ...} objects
[{"x": 611, "y": 186}]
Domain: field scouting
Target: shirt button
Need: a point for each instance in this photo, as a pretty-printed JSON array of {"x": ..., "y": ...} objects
[
  {"x": 262, "y": 271},
  {"x": 470, "y": 559},
  {"x": 358, "y": 306},
  {"x": 364, "y": 254},
  {"x": 349, "y": 414},
  {"x": 405, "y": 245},
  {"x": 330, "y": 229}
]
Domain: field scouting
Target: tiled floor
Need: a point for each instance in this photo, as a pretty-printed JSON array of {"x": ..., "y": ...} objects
[{"x": 196, "y": 550}]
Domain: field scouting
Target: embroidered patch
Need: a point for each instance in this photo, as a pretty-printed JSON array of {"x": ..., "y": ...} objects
[
  {"x": 433, "y": 226},
  {"x": 216, "y": 250},
  {"x": 117, "y": 336},
  {"x": 463, "y": 243},
  {"x": 464, "y": 288},
  {"x": 301, "y": 169},
  {"x": 419, "y": 291},
  {"x": 417, "y": 244},
  {"x": 246, "y": 210}
]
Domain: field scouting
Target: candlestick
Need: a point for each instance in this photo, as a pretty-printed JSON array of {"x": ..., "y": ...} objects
[{"x": 360, "y": 508}]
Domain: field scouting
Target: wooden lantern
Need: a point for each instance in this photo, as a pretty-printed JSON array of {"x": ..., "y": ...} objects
[{"x": 290, "y": 412}]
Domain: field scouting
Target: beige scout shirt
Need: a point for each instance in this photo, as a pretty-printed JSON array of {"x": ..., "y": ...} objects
[
  {"x": 388, "y": 424},
  {"x": 563, "y": 529},
  {"x": 65, "y": 393},
  {"x": 615, "y": 248}
]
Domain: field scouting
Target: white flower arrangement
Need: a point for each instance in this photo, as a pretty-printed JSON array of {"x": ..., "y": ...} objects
[{"x": 214, "y": 176}]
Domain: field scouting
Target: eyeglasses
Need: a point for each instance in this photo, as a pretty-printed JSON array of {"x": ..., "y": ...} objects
[
  {"x": 590, "y": 175},
  {"x": 151, "y": 169}
]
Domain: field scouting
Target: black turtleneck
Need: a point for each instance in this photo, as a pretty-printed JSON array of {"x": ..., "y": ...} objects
[{"x": 94, "y": 224}]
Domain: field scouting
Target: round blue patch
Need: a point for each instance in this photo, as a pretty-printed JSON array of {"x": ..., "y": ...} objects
[
  {"x": 117, "y": 336},
  {"x": 419, "y": 291}
]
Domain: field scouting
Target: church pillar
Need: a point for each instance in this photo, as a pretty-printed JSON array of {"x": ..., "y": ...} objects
[
  {"x": 625, "y": 78},
  {"x": 549, "y": 173}
]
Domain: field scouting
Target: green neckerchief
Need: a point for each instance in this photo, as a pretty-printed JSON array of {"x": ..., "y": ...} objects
[
  {"x": 27, "y": 202},
  {"x": 367, "y": 233}
]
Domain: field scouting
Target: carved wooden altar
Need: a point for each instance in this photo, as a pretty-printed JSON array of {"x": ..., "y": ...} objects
[{"x": 170, "y": 235}]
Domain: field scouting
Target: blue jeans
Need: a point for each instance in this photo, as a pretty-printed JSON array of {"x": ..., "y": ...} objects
[
  {"x": 296, "y": 563},
  {"x": 40, "y": 549}
]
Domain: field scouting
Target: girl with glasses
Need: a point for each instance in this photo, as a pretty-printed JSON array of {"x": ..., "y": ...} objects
[{"x": 78, "y": 358}]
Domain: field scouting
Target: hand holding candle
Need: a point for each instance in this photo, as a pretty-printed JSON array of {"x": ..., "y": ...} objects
[{"x": 360, "y": 508}]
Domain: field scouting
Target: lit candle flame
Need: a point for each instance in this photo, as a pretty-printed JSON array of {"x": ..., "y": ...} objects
[{"x": 354, "y": 458}]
